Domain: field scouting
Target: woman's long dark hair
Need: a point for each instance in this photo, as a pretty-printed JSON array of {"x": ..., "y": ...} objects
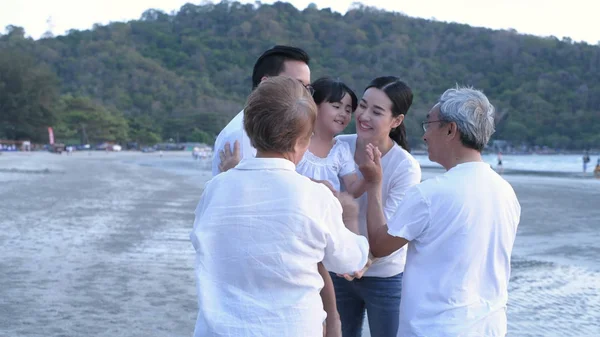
[{"x": 401, "y": 96}]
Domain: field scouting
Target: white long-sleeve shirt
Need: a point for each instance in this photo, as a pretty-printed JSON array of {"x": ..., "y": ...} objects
[{"x": 260, "y": 231}]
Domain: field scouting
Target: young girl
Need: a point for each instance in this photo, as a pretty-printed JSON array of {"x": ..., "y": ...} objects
[{"x": 327, "y": 159}]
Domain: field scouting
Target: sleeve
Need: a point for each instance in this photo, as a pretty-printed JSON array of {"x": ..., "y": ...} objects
[
  {"x": 406, "y": 177},
  {"x": 412, "y": 217},
  {"x": 346, "y": 158},
  {"x": 216, "y": 160},
  {"x": 199, "y": 212},
  {"x": 345, "y": 251}
]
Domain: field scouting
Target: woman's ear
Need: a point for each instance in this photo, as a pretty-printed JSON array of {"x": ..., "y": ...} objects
[{"x": 396, "y": 121}]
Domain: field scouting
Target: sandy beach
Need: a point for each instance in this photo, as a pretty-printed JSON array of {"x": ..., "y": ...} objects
[
  {"x": 98, "y": 245},
  {"x": 95, "y": 246}
]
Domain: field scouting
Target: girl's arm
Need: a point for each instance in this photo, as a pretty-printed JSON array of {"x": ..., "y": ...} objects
[
  {"x": 354, "y": 185},
  {"x": 333, "y": 325}
]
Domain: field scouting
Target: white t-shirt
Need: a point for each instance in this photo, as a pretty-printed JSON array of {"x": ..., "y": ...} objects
[
  {"x": 400, "y": 172},
  {"x": 338, "y": 163},
  {"x": 461, "y": 227},
  {"x": 259, "y": 233},
  {"x": 230, "y": 133}
]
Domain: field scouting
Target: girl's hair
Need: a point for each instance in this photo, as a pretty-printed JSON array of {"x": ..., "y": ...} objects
[
  {"x": 401, "y": 96},
  {"x": 330, "y": 90}
]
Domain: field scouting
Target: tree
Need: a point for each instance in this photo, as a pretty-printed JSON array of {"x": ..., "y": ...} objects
[
  {"x": 91, "y": 122},
  {"x": 200, "y": 136},
  {"x": 28, "y": 97}
]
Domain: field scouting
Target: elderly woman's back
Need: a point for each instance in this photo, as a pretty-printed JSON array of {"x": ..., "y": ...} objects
[{"x": 261, "y": 229}]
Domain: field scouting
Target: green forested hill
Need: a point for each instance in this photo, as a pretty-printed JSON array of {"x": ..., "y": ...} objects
[{"x": 185, "y": 75}]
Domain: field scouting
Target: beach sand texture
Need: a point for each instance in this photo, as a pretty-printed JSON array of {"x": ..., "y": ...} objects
[{"x": 98, "y": 245}]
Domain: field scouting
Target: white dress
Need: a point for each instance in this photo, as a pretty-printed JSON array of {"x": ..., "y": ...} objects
[{"x": 338, "y": 163}]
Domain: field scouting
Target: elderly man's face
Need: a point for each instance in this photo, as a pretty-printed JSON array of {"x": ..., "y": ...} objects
[{"x": 435, "y": 135}]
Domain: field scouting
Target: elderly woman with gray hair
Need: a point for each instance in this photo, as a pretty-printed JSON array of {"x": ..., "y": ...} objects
[
  {"x": 460, "y": 227},
  {"x": 262, "y": 228}
]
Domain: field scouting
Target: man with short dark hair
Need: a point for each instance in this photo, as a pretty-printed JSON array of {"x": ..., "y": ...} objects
[{"x": 279, "y": 60}]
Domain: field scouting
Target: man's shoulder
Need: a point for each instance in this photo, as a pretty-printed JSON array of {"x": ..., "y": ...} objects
[
  {"x": 233, "y": 131},
  {"x": 234, "y": 127}
]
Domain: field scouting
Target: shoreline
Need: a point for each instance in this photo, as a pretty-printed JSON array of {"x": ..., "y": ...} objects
[
  {"x": 516, "y": 172},
  {"x": 185, "y": 155}
]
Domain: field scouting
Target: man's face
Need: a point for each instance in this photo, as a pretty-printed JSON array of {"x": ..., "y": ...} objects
[
  {"x": 298, "y": 70},
  {"x": 434, "y": 137}
]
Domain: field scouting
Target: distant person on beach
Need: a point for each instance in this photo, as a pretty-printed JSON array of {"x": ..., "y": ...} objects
[
  {"x": 500, "y": 168},
  {"x": 460, "y": 227},
  {"x": 597, "y": 169},
  {"x": 261, "y": 228},
  {"x": 586, "y": 159}
]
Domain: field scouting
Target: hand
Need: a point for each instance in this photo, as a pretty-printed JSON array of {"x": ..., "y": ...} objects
[
  {"x": 229, "y": 159},
  {"x": 371, "y": 165},
  {"x": 328, "y": 184},
  {"x": 359, "y": 274}
]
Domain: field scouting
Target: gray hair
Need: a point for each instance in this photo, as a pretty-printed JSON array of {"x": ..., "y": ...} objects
[{"x": 473, "y": 114}]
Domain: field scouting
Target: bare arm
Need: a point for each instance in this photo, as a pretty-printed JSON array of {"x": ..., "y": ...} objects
[
  {"x": 381, "y": 243},
  {"x": 354, "y": 185},
  {"x": 349, "y": 212},
  {"x": 333, "y": 326}
]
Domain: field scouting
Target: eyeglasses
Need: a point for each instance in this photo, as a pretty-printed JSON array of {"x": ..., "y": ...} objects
[
  {"x": 426, "y": 124},
  {"x": 310, "y": 89}
]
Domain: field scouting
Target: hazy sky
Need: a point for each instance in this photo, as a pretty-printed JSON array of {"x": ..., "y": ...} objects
[{"x": 577, "y": 19}]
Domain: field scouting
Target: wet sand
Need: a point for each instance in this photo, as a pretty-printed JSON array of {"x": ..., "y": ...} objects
[
  {"x": 98, "y": 245},
  {"x": 95, "y": 247}
]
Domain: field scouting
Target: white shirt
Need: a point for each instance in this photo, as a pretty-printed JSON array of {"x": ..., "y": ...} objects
[
  {"x": 461, "y": 227},
  {"x": 400, "y": 172},
  {"x": 260, "y": 231},
  {"x": 230, "y": 133},
  {"x": 338, "y": 163}
]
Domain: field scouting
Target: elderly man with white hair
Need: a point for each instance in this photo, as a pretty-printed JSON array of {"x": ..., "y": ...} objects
[{"x": 460, "y": 227}]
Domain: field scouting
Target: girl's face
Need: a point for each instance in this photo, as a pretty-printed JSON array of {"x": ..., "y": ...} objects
[
  {"x": 335, "y": 116},
  {"x": 374, "y": 118}
]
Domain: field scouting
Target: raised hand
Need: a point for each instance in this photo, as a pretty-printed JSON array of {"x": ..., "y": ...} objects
[
  {"x": 229, "y": 159},
  {"x": 371, "y": 165}
]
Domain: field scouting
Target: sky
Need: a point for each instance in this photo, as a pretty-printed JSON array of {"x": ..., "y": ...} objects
[{"x": 576, "y": 19}]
